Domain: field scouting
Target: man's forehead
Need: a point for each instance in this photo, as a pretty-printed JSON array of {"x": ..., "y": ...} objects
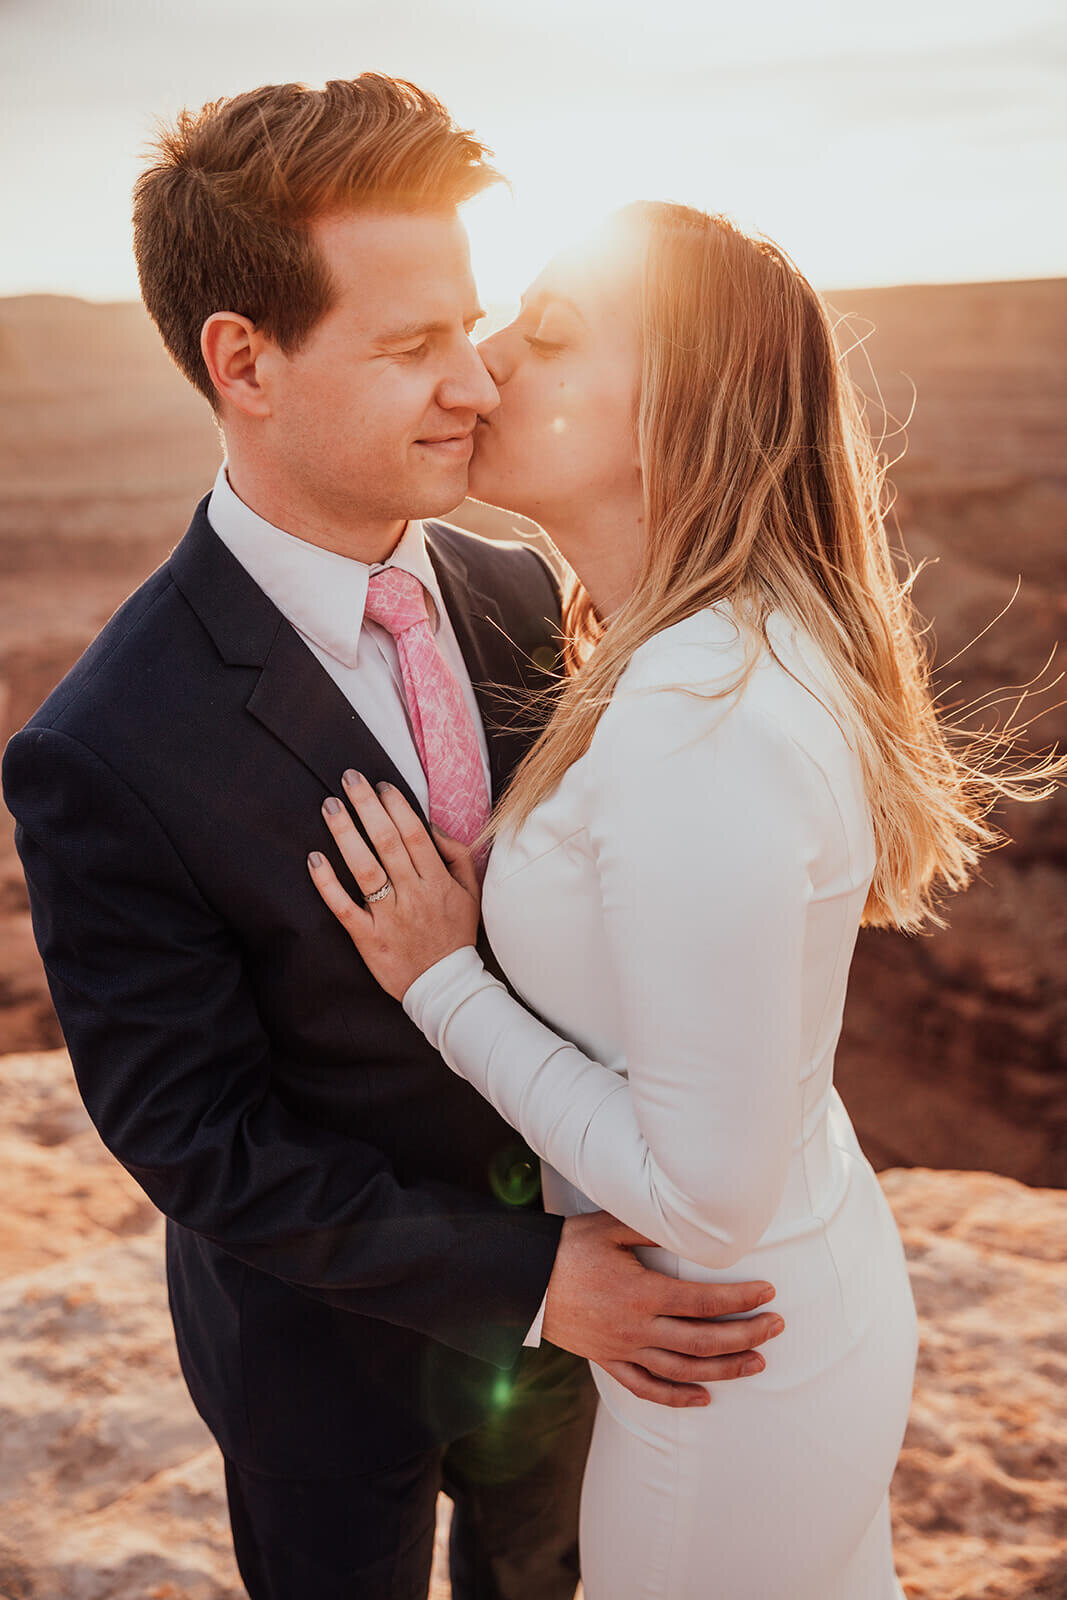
[
  {"x": 406, "y": 266},
  {"x": 373, "y": 238}
]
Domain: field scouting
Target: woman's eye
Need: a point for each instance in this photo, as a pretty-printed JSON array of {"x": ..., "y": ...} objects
[{"x": 543, "y": 347}]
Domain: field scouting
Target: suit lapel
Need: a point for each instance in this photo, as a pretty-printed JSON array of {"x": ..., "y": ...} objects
[
  {"x": 298, "y": 701},
  {"x": 294, "y": 696}
]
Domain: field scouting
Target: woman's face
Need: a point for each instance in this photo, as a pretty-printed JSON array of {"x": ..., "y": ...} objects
[{"x": 562, "y": 445}]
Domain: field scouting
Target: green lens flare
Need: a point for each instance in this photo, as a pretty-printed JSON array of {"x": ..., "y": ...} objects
[{"x": 514, "y": 1175}]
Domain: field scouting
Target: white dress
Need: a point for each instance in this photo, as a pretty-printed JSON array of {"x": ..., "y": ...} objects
[{"x": 682, "y": 913}]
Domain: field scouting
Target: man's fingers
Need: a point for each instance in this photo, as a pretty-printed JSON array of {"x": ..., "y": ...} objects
[
  {"x": 684, "y": 1298},
  {"x": 689, "y": 1338},
  {"x": 641, "y": 1383},
  {"x": 684, "y": 1369}
]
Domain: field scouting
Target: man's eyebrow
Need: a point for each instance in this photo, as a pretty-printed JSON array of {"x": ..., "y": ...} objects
[{"x": 419, "y": 330}]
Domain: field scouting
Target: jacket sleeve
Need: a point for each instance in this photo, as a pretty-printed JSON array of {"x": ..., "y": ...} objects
[
  {"x": 174, "y": 1066},
  {"x": 703, "y": 822}
]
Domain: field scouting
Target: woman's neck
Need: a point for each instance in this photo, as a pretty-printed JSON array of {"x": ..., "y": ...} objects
[{"x": 605, "y": 551}]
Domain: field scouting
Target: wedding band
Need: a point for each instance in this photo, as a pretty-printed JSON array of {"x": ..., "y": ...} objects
[{"x": 379, "y": 894}]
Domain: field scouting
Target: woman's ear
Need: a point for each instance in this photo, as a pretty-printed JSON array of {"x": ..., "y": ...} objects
[{"x": 231, "y": 347}]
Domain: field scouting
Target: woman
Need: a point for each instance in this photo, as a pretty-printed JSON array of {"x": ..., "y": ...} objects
[{"x": 743, "y": 764}]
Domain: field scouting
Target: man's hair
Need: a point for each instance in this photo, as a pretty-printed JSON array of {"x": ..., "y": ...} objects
[{"x": 221, "y": 217}]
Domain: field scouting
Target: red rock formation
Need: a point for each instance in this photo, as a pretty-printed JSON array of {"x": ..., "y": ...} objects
[{"x": 955, "y": 1045}]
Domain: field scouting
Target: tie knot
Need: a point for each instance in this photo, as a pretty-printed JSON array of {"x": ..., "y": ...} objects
[{"x": 396, "y": 600}]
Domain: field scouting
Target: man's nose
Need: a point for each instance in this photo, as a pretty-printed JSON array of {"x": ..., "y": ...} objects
[{"x": 470, "y": 386}]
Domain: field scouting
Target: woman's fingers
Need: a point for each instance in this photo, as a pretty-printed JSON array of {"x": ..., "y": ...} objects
[
  {"x": 380, "y": 828},
  {"x": 403, "y": 850},
  {"x": 356, "y": 922},
  {"x": 418, "y": 843},
  {"x": 459, "y": 861},
  {"x": 359, "y": 858}
]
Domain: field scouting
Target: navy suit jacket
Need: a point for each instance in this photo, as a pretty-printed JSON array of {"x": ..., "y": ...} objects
[{"x": 347, "y": 1267}]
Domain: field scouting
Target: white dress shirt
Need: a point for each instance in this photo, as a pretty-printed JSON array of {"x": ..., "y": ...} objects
[{"x": 323, "y": 595}]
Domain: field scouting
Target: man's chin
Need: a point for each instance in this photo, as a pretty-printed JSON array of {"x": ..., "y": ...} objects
[{"x": 439, "y": 501}]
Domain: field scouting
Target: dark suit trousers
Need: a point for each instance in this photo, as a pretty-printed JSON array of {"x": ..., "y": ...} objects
[{"x": 515, "y": 1484}]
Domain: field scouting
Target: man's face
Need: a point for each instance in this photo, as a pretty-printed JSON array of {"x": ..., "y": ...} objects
[{"x": 372, "y": 419}]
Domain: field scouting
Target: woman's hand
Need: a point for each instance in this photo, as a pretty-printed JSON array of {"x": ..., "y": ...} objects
[{"x": 432, "y": 906}]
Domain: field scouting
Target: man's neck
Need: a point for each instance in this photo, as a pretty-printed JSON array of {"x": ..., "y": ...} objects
[{"x": 369, "y": 542}]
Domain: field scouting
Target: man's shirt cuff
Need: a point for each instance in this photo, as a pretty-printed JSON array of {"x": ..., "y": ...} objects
[{"x": 533, "y": 1338}]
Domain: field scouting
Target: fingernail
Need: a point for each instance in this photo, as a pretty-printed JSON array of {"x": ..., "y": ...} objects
[
  {"x": 315, "y": 859},
  {"x": 777, "y": 1324},
  {"x": 384, "y": 788},
  {"x": 331, "y": 806},
  {"x": 753, "y": 1364},
  {"x": 768, "y": 1294},
  {"x": 699, "y": 1400},
  {"x": 351, "y": 778}
]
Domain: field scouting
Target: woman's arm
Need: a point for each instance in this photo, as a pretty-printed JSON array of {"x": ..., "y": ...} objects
[
  {"x": 701, "y": 824},
  {"x": 704, "y": 823}
]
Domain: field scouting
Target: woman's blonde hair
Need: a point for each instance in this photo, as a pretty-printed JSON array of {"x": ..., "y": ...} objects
[{"x": 762, "y": 488}]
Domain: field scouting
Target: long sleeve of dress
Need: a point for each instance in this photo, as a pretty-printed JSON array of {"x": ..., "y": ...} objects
[{"x": 704, "y": 820}]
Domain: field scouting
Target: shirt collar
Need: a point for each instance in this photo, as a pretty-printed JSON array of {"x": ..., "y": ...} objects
[{"x": 323, "y": 594}]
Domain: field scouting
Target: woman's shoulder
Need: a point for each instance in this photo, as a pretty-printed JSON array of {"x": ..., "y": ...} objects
[
  {"x": 717, "y": 654},
  {"x": 713, "y": 668},
  {"x": 709, "y": 646}
]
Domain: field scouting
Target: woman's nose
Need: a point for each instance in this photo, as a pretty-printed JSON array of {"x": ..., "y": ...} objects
[{"x": 494, "y": 353}]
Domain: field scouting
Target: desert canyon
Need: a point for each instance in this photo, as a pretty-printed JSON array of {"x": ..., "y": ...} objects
[{"x": 953, "y": 1061}]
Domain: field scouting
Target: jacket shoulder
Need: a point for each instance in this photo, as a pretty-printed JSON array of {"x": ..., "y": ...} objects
[
  {"x": 505, "y": 568},
  {"x": 117, "y": 649}
]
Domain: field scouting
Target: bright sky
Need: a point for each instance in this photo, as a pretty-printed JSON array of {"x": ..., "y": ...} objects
[{"x": 922, "y": 141}]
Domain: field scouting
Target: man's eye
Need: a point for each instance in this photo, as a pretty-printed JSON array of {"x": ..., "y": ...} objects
[{"x": 416, "y": 349}]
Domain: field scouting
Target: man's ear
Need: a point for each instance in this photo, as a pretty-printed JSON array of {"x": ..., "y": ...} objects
[{"x": 232, "y": 347}]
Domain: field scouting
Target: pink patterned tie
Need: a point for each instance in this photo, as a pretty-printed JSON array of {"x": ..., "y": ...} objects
[{"x": 440, "y": 721}]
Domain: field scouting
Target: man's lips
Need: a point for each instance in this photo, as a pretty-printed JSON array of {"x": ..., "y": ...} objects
[{"x": 458, "y": 445}]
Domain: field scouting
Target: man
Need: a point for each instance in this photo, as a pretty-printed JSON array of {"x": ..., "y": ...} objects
[{"x": 352, "y": 1268}]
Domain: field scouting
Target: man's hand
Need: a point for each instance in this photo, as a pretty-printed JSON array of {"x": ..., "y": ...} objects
[{"x": 650, "y": 1332}]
